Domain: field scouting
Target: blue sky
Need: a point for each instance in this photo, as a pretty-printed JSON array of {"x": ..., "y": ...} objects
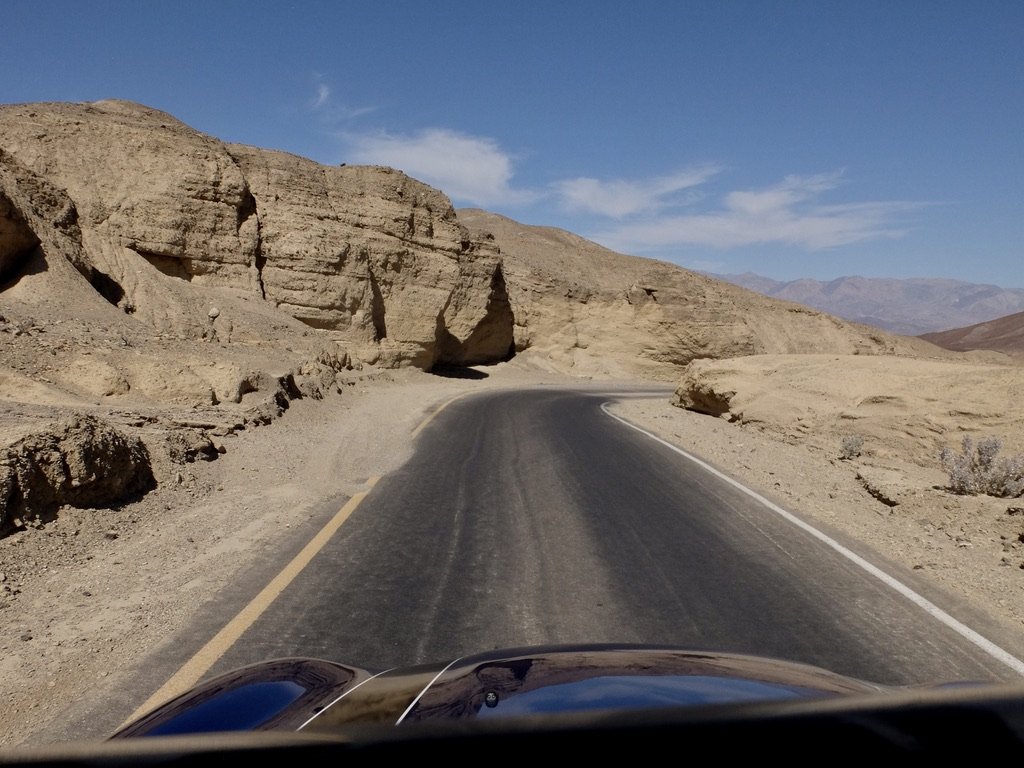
[{"x": 791, "y": 139}]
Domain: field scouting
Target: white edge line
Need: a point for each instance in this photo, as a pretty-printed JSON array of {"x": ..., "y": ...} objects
[
  {"x": 425, "y": 689},
  {"x": 962, "y": 629}
]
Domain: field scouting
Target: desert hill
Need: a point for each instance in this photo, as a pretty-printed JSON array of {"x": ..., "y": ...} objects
[
  {"x": 1003, "y": 334},
  {"x": 585, "y": 309},
  {"x": 914, "y": 306}
]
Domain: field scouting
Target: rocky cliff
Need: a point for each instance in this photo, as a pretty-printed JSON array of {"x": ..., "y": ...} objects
[{"x": 375, "y": 260}]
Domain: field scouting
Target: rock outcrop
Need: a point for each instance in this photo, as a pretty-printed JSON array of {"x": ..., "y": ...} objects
[
  {"x": 378, "y": 258},
  {"x": 196, "y": 239}
]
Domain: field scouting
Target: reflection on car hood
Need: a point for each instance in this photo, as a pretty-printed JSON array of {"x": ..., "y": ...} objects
[{"x": 317, "y": 696}]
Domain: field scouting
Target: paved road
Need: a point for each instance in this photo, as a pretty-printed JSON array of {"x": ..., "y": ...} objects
[{"x": 533, "y": 517}]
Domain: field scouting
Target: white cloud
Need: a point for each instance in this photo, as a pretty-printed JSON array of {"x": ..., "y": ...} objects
[
  {"x": 792, "y": 190},
  {"x": 649, "y": 215},
  {"x": 783, "y": 213},
  {"x": 470, "y": 169},
  {"x": 621, "y": 198}
]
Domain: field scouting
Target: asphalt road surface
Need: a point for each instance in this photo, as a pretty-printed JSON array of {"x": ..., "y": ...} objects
[{"x": 534, "y": 517}]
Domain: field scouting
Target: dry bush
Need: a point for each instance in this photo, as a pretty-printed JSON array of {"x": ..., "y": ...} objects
[
  {"x": 978, "y": 469},
  {"x": 851, "y": 447}
]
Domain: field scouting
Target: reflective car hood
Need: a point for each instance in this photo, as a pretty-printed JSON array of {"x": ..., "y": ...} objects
[{"x": 318, "y": 696}]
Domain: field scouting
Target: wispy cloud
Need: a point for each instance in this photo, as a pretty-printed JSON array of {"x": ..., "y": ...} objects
[
  {"x": 323, "y": 93},
  {"x": 786, "y": 213},
  {"x": 329, "y": 109},
  {"x": 470, "y": 169},
  {"x": 621, "y": 198}
]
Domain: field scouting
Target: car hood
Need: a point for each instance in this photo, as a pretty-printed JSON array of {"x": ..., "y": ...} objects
[{"x": 319, "y": 696}]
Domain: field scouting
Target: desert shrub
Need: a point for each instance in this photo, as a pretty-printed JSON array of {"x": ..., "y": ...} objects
[
  {"x": 851, "y": 447},
  {"x": 978, "y": 469}
]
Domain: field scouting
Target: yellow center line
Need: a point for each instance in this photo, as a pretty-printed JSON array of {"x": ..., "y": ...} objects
[
  {"x": 437, "y": 410},
  {"x": 194, "y": 669}
]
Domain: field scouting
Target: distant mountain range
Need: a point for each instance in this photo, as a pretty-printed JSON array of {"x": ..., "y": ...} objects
[{"x": 911, "y": 307}]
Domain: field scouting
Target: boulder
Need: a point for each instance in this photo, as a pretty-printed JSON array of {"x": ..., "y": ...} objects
[{"x": 78, "y": 461}]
